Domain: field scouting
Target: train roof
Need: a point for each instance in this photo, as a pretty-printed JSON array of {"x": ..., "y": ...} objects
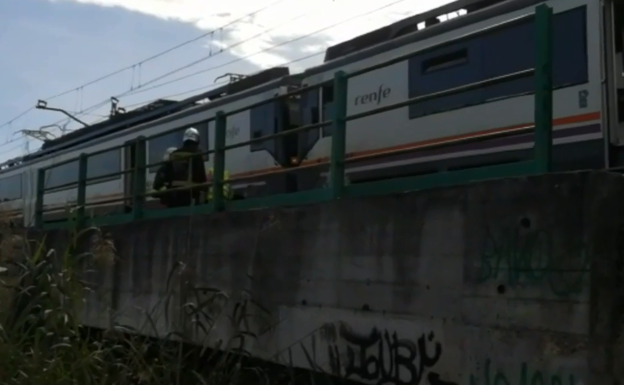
[
  {"x": 249, "y": 86},
  {"x": 118, "y": 122},
  {"x": 272, "y": 77},
  {"x": 406, "y": 31}
]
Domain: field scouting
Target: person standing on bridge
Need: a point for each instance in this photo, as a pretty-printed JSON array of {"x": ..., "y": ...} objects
[
  {"x": 160, "y": 184},
  {"x": 185, "y": 168}
]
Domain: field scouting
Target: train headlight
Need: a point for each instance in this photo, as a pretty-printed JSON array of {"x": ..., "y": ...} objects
[{"x": 294, "y": 160}]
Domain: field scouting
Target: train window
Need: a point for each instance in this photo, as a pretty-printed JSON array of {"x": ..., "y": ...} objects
[
  {"x": 499, "y": 53},
  {"x": 105, "y": 163},
  {"x": 569, "y": 54},
  {"x": 263, "y": 122},
  {"x": 11, "y": 188},
  {"x": 445, "y": 61},
  {"x": 61, "y": 175},
  {"x": 158, "y": 146},
  {"x": 430, "y": 72}
]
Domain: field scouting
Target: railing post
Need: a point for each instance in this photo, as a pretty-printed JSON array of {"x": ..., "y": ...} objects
[
  {"x": 543, "y": 88},
  {"x": 219, "y": 161},
  {"x": 138, "y": 178},
  {"x": 81, "y": 200},
  {"x": 40, "y": 196},
  {"x": 339, "y": 133}
]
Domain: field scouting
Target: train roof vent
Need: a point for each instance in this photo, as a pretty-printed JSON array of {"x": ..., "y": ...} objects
[
  {"x": 248, "y": 82},
  {"x": 404, "y": 27}
]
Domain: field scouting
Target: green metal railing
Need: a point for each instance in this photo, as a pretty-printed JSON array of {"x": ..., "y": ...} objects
[{"x": 539, "y": 164}]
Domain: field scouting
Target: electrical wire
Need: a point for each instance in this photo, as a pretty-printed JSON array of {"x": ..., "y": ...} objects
[
  {"x": 139, "y": 89},
  {"x": 138, "y": 64},
  {"x": 136, "y": 90},
  {"x": 204, "y": 88}
]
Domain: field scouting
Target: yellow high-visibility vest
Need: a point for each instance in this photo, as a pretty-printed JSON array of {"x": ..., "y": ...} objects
[{"x": 227, "y": 190}]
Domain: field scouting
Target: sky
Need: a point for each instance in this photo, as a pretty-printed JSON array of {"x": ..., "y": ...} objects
[{"x": 76, "y": 54}]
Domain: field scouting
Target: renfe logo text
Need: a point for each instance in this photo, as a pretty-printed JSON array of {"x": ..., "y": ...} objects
[{"x": 373, "y": 97}]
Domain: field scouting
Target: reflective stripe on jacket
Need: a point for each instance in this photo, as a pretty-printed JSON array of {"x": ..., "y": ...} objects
[{"x": 227, "y": 190}]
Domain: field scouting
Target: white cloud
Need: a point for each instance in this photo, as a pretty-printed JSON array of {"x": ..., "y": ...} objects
[{"x": 286, "y": 20}]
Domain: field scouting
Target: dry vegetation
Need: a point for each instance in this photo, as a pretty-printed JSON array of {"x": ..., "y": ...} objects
[{"x": 42, "y": 341}]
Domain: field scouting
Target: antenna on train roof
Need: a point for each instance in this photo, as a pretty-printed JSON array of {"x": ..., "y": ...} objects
[
  {"x": 115, "y": 110},
  {"x": 43, "y": 105},
  {"x": 42, "y": 134},
  {"x": 233, "y": 77}
]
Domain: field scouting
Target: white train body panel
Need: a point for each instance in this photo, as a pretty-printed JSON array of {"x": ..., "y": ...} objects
[
  {"x": 393, "y": 130},
  {"x": 239, "y": 161}
]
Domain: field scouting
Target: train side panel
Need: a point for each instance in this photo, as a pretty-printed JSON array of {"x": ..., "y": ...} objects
[
  {"x": 56, "y": 200},
  {"x": 577, "y": 100}
]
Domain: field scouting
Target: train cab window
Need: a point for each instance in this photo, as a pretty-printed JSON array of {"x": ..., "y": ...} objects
[
  {"x": 445, "y": 61},
  {"x": 11, "y": 188},
  {"x": 328, "y": 108},
  {"x": 158, "y": 146},
  {"x": 264, "y": 122}
]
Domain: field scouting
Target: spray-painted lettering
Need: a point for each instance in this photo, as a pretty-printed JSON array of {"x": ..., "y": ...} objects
[
  {"x": 382, "y": 357},
  {"x": 525, "y": 376},
  {"x": 530, "y": 258}
]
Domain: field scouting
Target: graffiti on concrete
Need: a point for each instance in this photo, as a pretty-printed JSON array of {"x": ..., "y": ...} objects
[
  {"x": 521, "y": 258},
  {"x": 381, "y": 357},
  {"x": 525, "y": 376}
]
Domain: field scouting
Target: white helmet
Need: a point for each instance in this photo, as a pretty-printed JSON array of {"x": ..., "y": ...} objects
[
  {"x": 168, "y": 153},
  {"x": 191, "y": 134}
]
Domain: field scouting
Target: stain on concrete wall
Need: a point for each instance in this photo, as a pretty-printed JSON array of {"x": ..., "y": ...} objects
[{"x": 503, "y": 282}]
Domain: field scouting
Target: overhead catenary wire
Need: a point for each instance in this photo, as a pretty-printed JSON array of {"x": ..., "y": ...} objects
[
  {"x": 137, "y": 65},
  {"x": 204, "y": 88},
  {"x": 141, "y": 89},
  {"x": 137, "y": 90}
]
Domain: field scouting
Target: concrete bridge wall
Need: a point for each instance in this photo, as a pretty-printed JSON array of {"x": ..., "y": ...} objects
[{"x": 498, "y": 283}]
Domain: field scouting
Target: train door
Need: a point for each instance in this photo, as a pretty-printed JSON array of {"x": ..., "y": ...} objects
[
  {"x": 129, "y": 163},
  {"x": 288, "y": 118},
  {"x": 613, "y": 32},
  {"x": 29, "y": 196}
]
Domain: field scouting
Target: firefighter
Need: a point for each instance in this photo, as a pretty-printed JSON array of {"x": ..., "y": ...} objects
[
  {"x": 185, "y": 168},
  {"x": 228, "y": 193},
  {"x": 160, "y": 184}
]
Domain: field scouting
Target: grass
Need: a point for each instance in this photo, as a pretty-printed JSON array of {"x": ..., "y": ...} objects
[{"x": 43, "y": 342}]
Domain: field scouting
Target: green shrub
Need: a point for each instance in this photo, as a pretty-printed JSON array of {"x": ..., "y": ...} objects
[{"x": 43, "y": 342}]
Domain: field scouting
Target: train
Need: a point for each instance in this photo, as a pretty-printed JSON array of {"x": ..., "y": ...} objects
[{"x": 588, "y": 108}]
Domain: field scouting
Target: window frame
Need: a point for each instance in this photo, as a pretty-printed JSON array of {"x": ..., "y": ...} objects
[
  {"x": 269, "y": 110},
  {"x": 416, "y": 65},
  {"x": 20, "y": 176},
  {"x": 105, "y": 178}
]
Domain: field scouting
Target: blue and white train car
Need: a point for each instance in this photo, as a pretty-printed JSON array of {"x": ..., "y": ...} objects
[
  {"x": 584, "y": 109},
  {"x": 247, "y": 165}
]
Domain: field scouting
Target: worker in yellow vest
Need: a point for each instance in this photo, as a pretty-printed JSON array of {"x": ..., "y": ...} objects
[{"x": 228, "y": 193}]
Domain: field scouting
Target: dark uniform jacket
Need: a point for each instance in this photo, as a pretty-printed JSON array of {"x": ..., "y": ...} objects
[{"x": 184, "y": 168}]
